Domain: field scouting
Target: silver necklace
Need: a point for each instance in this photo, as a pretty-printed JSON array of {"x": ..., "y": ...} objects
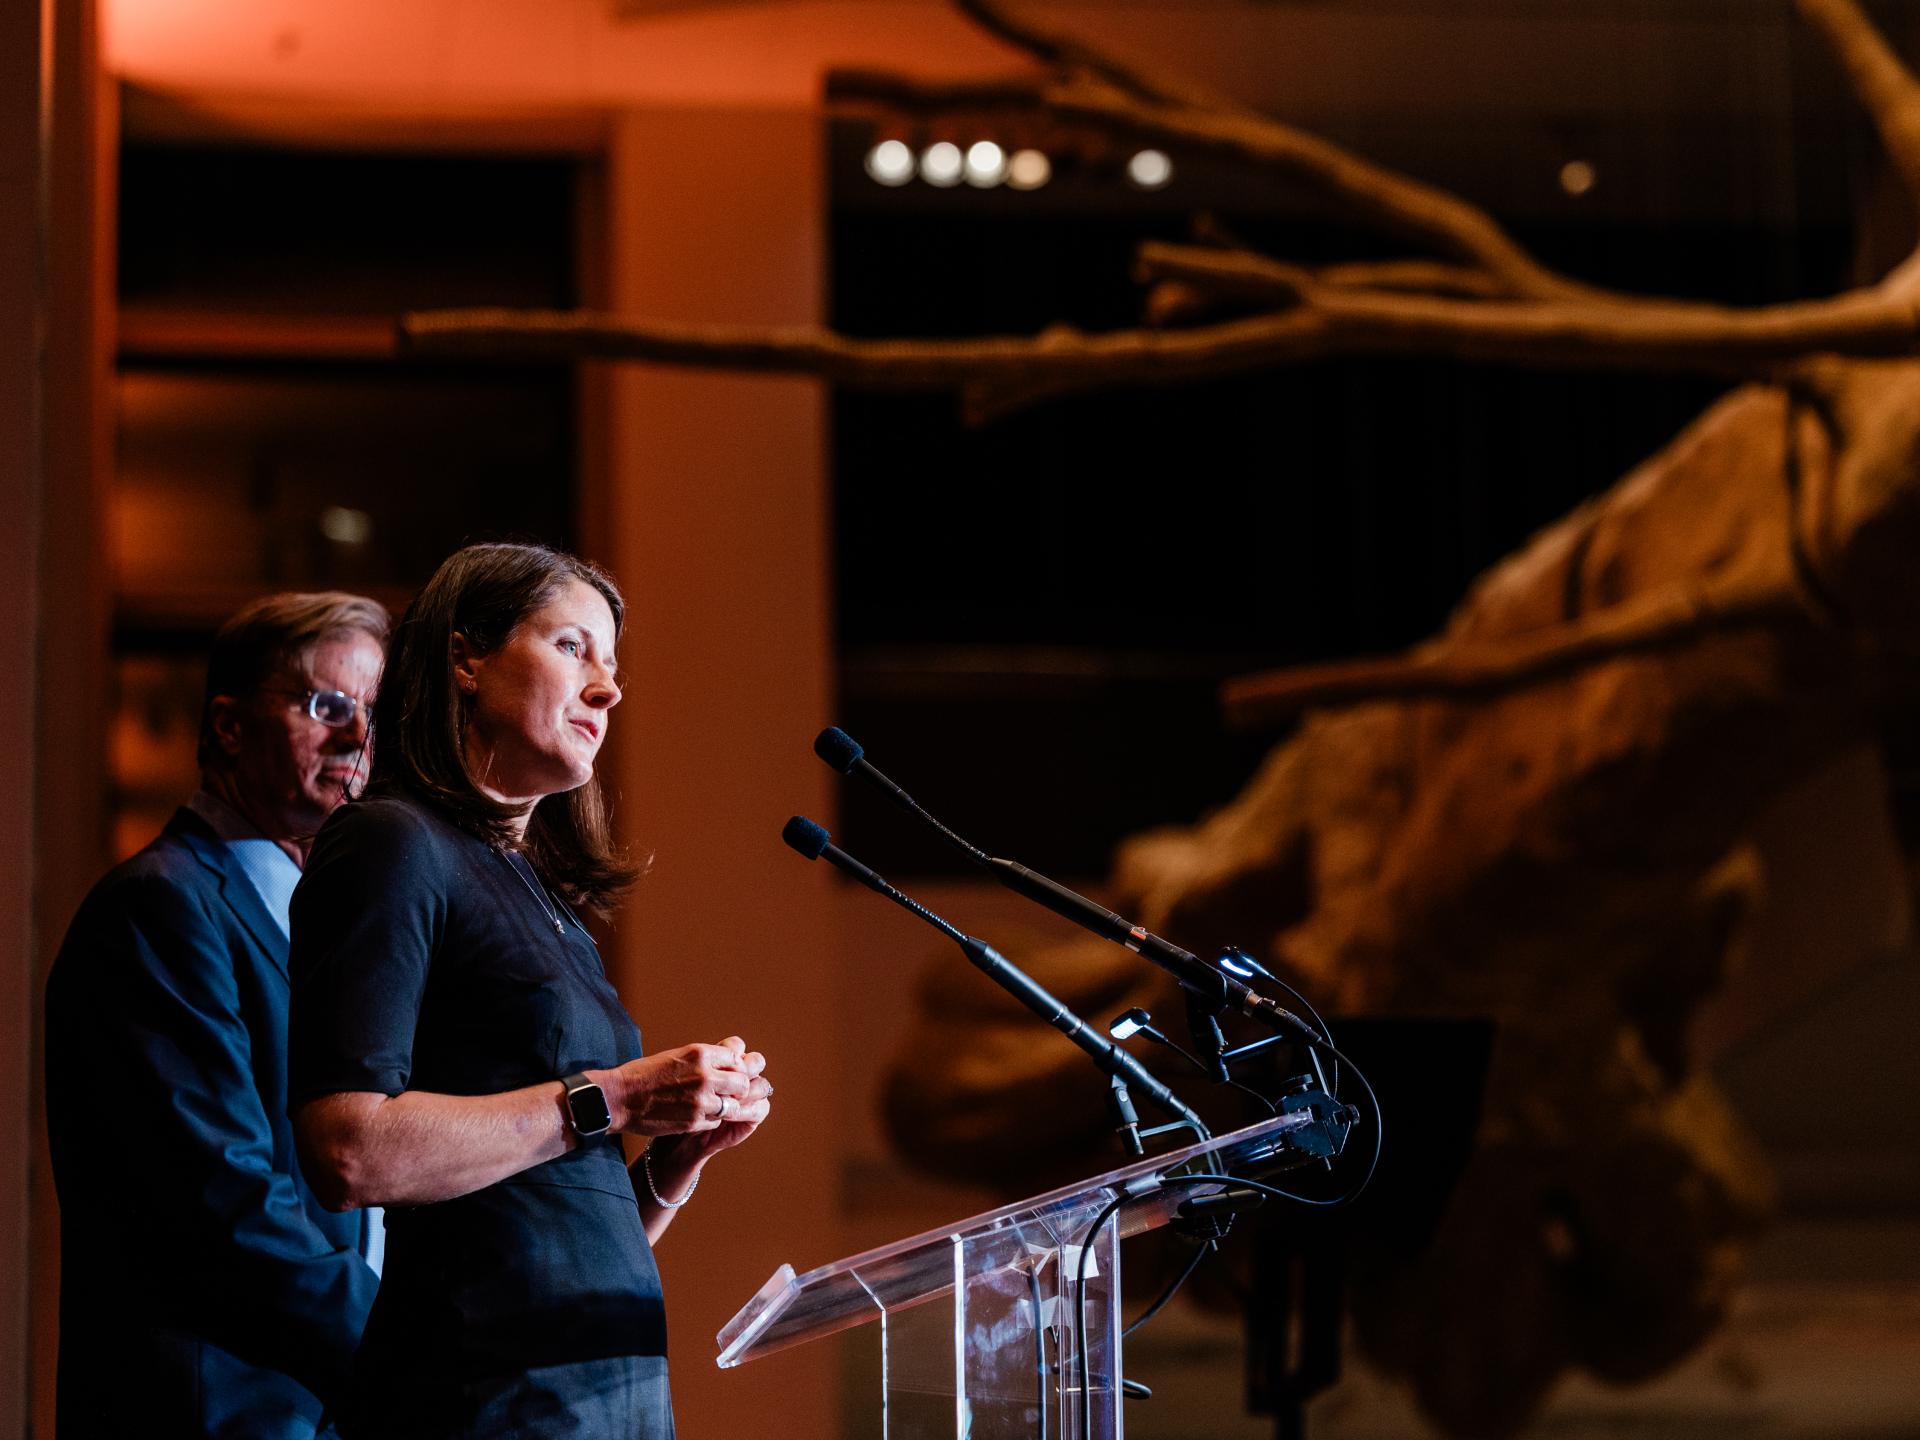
[{"x": 538, "y": 899}]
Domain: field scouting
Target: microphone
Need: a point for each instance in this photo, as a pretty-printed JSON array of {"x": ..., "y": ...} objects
[
  {"x": 1210, "y": 986},
  {"x": 845, "y": 754},
  {"x": 803, "y": 835},
  {"x": 814, "y": 842}
]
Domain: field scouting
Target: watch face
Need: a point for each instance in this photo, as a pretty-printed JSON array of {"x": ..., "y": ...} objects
[{"x": 588, "y": 1107}]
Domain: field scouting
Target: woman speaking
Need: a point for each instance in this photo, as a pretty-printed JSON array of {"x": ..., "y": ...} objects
[{"x": 456, "y": 1051}]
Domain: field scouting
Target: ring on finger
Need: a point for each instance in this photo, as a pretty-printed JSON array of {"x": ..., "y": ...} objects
[
  {"x": 721, "y": 1113},
  {"x": 728, "y": 1108}
]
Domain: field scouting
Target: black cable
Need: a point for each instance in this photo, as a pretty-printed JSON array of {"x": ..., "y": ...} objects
[
  {"x": 1039, "y": 1347},
  {"x": 1207, "y": 1070},
  {"x": 1264, "y": 1189},
  {"x": 1305, "y": 1004},
  {"x": 1084, "y": 1365},
  {"x": 1379, "y": 1122},
  {"x": 1333, "y": 1082},
  {"x": 1200, "y": 1253},
  {"x": 1272, "y": 1109},
  {"x": 1373, "y": 1103}
]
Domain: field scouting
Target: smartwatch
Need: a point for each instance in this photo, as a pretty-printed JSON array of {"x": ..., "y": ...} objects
[{"x": 587, "y": 1109}]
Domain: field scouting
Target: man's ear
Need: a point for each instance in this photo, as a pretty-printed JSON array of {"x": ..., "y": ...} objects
[
  {"x": 228, "y": 721},
  {"x": 466, "y": 664}
]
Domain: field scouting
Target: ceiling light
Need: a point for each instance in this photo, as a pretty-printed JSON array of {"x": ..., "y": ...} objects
[
  {"x": 344, "y": 526},
  {"x": 890, "y": 162},
  {"x": 1028, "y": 170},
  {"x": 1150, "y": 169},
  {"x": 941, "y": 164},
  {"x": 986, "y": 164},
  {"x": 1577, "y": 177}
]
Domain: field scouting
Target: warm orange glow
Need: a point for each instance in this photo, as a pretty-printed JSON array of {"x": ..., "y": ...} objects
[
  {"x": 441, "y": 56},
  {"x": 458, "y": 54},
  {"x": 1028, "y": 170}
]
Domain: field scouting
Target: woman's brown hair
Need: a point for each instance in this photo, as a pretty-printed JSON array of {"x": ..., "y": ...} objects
[{"x": 420, "y": 715}]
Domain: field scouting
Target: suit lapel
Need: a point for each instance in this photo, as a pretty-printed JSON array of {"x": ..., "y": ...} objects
[{"x": 235, "y": 888}]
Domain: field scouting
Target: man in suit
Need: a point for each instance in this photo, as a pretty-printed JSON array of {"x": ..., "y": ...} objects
[{"x": 204, "y": 1291}]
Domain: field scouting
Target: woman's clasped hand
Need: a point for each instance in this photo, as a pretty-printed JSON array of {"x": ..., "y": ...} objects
[
  {"x": 693, "y": 1102},
  {"x": 715, "y": 1094}
]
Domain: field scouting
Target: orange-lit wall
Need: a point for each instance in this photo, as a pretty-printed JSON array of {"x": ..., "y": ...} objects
[
  {"x": 56, "y": 596},
  {"x": 718, "y": 532},
  {"x": 469, "y": 54},
  {"x": 20, "y": 314},
  {"x": 458, "y": 55}
]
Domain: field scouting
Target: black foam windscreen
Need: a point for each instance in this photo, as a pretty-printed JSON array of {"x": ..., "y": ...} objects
[
  {"x": 806, "y": 837},
  {"x": 837, "y": 748}
]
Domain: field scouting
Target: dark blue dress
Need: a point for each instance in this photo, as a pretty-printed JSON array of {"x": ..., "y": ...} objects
[{"x": 422, "y": 960}]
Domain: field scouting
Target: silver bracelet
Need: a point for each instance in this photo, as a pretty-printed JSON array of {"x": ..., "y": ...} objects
[{"x": 646, "y": 1169}]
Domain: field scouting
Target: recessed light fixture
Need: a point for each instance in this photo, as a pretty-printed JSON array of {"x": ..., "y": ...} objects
[
  {"x": 1577, "y": 177},
  {"x": 1028, "y": 170},
  {"x": 1150, "y": 169},
  {"x": 986, "y": 164},
  {"x": 941, "y": 164},
  {"x": 344, "y": 526},
  {"x": 890, "y": 162}
]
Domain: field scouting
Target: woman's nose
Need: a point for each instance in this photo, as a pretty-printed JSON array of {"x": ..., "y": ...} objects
[{"x": 603, "y": 693}]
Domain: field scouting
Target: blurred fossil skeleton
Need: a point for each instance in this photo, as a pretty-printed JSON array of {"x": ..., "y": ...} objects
[{"x": 1544, "y": 814}]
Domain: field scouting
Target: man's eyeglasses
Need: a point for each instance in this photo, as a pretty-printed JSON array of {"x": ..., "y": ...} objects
[{"x": 331, "y": 707}]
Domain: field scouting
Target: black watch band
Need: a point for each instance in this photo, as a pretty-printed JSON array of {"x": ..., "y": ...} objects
[{"x": 587, "y": 1109}]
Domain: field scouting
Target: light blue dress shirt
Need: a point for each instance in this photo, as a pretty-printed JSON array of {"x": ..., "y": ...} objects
[{"x": 274, "y": 873}]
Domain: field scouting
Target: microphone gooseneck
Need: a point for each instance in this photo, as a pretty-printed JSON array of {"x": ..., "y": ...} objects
[
  {"x": 813, "y": 841},
  {"x": 848, "y": 756},
  {"x": 1215, "y": 987}
]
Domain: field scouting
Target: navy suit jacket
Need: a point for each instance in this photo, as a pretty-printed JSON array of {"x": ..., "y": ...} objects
[{"x": 204, "y": 1291}]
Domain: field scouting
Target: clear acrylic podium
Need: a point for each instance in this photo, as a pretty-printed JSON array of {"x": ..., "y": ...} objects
[{"x": 981, "y": 1329}]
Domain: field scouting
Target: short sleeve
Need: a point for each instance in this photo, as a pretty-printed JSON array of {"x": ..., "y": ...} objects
[{"x": 366, "y": 921}]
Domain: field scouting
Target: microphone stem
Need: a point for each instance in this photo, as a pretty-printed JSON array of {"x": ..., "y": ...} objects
[
  {"x": 1218, "y": 989},
  {"x": 1115, "y": 1062},
  {"x": 913, "y": 807}
]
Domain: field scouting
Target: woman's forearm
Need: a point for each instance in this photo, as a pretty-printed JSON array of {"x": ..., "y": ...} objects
[
  {"x": 415, "y": 1148},
  {"x": 364, "y": 1148}
]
